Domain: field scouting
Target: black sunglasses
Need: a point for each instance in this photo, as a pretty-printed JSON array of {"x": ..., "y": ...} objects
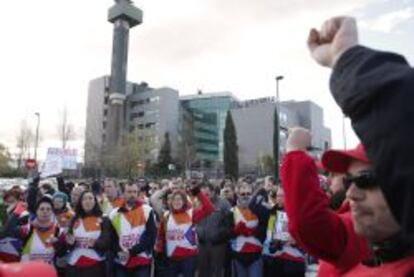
[{"x": 365, "y": 180}]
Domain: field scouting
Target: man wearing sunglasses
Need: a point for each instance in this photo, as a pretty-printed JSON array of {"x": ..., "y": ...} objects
[
  {"x": 375, "y": 90},
  {"x": 337, "y": 238}
]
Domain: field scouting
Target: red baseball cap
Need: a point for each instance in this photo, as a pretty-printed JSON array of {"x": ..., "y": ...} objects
[
  {"x": 27, "y": 269},
  {"x": 339, "y": 160}
]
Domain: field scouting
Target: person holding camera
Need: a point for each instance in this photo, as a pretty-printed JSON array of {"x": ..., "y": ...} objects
[{"x": 281, "y": 256}]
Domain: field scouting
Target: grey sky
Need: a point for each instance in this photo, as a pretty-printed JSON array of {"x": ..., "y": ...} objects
[{"x": 51, "y": 49}]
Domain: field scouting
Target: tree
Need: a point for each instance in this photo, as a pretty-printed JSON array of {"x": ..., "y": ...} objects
[
  {"x": 185, "y": 145},
  {"x": 5, "y": 160},
  {"x": 230, "y": 151},
  {"x": 266, "y": 164},
  {"x": 164, "y": 157},
  {"x": 24, "y": 141},
  {"x": 133, "y": 148},
  {"x": 276, "y": 142},
  {"x": 65, "y": 129}
]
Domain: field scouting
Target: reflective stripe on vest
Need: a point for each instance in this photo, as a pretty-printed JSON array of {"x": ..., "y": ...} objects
[
  {"x": 85, "y": 230},
  {"x": 37, "y": 249},
  {"x": 243, "y": 244},
  {"x": 277, "y": 229},
  {"x": 108, "y": 206},
  {"x": 130, "y": 234},
  {"x": 180, "y": 235},
  {"x": 10, "y": 249}
]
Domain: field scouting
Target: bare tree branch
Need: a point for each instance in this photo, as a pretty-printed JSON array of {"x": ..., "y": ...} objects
[
  {"x": 24, "y": 141},
  {"x": 66, "y": 131}
]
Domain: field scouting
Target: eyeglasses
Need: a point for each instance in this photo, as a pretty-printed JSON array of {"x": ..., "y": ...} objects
[{"x": 365, "y": 180}]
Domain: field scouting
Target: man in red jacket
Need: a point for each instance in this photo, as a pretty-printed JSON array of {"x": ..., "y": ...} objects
[{"x": 336, "y": 238}]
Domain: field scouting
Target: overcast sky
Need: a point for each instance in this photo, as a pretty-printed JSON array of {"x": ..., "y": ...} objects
[{"x": 51, "y": 49}]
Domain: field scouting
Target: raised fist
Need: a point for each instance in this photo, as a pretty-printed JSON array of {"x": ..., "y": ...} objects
[
  {"x": 298, "y": 139},
  {"x": 337, "y": 35}
]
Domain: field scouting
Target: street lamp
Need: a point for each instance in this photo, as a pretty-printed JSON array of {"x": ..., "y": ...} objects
[
  {"x": 277, "y": 128},
  {"x": 37, "y": 135},
  {"x": 278, "y": 78}
]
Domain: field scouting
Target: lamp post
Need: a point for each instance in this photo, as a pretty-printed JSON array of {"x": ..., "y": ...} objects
[
  {"x": 37, "y": 135},
  {"x": 277, "y": 128}
]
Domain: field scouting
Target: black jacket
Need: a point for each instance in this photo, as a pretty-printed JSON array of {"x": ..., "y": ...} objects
[
  {"x": 376, "y": 90},
  {"x": 215, "y": 228}
]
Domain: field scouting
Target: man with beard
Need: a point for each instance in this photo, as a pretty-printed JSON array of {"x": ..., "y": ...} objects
[
  {"x": 247, "y": 236},
  {"x": 135, "y": 234}
]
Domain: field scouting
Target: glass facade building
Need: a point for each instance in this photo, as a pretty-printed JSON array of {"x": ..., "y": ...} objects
[{"x": 208, "y": 114}]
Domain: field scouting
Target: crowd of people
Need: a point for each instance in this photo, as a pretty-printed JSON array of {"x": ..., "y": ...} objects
[
  {"x": 160, "y": 228},
  {"x": 352, "y": 211}
]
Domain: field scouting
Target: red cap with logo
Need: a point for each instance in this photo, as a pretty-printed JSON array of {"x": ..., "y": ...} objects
[{"x": 339, "y": 160}]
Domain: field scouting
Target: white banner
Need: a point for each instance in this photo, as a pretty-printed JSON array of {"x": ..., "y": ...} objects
[
  {"x": 52, "y": 166},
  {"x": 68, "y": 157}
]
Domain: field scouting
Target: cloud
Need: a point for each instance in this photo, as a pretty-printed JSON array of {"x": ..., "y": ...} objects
[
  {"x": 216, "y": 45},
  {"x": 214, "y": 24},
  {"x": 388, "y": 22}
]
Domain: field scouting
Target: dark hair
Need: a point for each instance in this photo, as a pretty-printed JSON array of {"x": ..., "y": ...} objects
[
  {"x": 183, "y": 196},
  {"x": 69, "y": 186},
  {"x": 208, "y": 185},
  {"x": 12, "y": 193},
  {"x": 130, "y": 184},
  {"x": 96, "y": 187},
  {"x": 44, "y": 199},
  {"x": 80, "y": 212},
  {"x": 49, "y": 189},
  {"x": 85, "y": 185}
]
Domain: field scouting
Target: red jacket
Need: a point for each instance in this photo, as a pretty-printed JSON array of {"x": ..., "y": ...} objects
[
  {"x": 321, "y": 232},
  {"x": 401, "y": 268}
]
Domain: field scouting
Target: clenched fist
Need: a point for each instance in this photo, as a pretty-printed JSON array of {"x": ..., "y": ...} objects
[
  {"x": 298, "y": 139},
  {"x": 337, "y": 35}
]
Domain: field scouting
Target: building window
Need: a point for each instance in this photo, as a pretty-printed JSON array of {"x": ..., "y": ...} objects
[
  {"x": 150, "y": 125},
  {"x": 106, "y": 100},
  {"x": 105, "y": 113},
  {"x": 153, "y": 99},
  {"x": 104, "y": 124}
]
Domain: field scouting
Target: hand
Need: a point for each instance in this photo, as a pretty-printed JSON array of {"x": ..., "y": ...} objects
[
  {"x": 123, "y": 256},
  {"x": 195, "y": 190},
  {"x": 337, "y": 35},
  {"x": 70, "y": 239},
  {"x": 298, "y": 139},
  {"x": 91, "y": 243}
]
